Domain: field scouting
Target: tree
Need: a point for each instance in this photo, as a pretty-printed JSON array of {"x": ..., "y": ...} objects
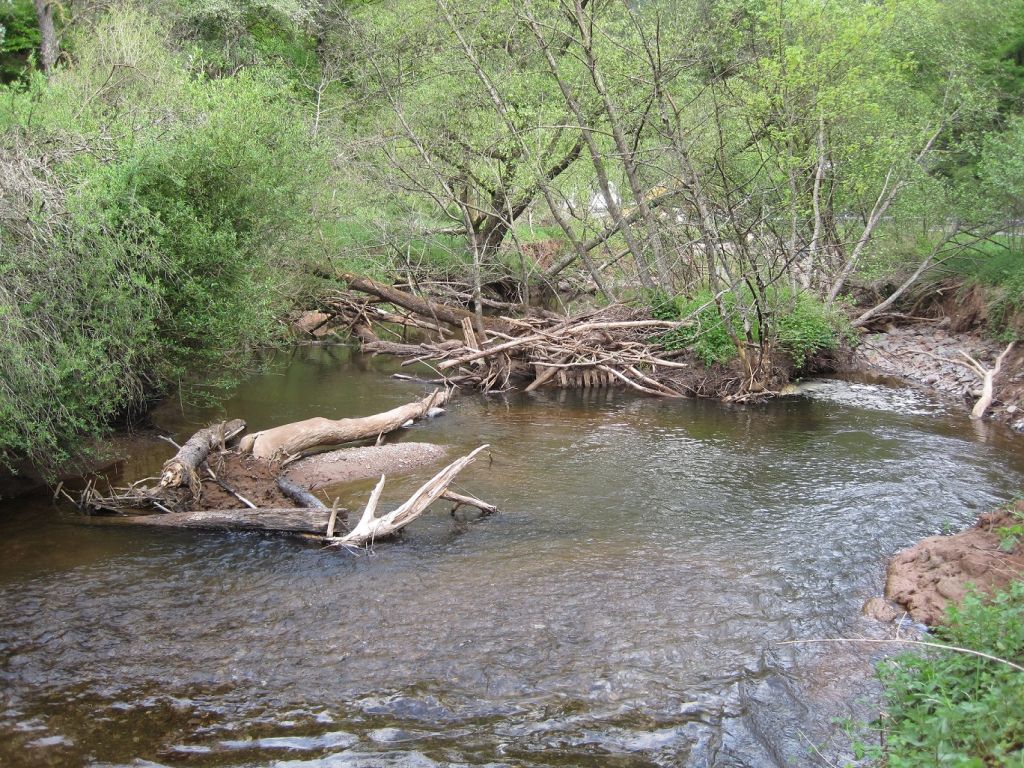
[{"x": 49, "y": 45}]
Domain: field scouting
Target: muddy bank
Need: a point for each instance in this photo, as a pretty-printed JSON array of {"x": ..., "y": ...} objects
[
  {"x": 929, "y": 355},
  {"x": 925, "y": 578}
]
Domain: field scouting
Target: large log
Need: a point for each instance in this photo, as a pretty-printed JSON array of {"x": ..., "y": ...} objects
[
  {"x": 291, "y": 439},
  {"x": 424, "y": 308},
  {"x": 182, "y": 469},
  {"x": 281, "y": 520}
]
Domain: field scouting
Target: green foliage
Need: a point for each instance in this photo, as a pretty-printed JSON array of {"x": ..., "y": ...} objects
[
  {"x": 808, "y": 328},
  {"x": 19, "y": 37},
  {"x": 801, "y": 325},
  {"x": 706, "y": 334},
  {"x": 164, "y": 252},
  {"x": 946, "y": 708},
  {"x": 1010, "y": 536},
  {"x": 224, "y": 198},
  {"x": 227, "y": 35}
]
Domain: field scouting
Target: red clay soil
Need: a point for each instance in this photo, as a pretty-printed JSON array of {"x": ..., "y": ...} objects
[{"x": 933, "y": 572}]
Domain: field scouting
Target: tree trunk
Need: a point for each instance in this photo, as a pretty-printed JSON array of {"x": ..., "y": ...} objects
[
  {"x": 49, "y": 46},
  {"x": 183, "y": 468}
]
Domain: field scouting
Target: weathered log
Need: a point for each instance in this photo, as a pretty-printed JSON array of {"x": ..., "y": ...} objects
[
  {"x": 429, "y": 309},
  {"x": 988, "y": 378},
  {"x": 291, "y": 439},
  {"x": 281, "y": 520},
  {"x": 182, "y": 469},
  {"x": 347, "y": 465},
  {"x": 371, "y": 528},
  {"x": 298, "y": 494}
]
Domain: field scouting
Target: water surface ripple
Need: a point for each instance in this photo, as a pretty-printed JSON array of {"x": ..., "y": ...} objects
[{"x": 623, "y": 610}]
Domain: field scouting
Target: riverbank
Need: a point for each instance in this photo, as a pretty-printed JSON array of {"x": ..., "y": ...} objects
[
  {"x": 926, "y": 579},
  {"x": 930, "y": 355}
]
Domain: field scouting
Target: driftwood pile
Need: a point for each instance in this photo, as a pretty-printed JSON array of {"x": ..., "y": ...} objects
[
  {"x": 608, "y": 347},
  {"x": 177, "y": 498}
]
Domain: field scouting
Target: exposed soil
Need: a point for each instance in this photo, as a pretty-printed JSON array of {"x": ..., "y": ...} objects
[
  {"x": 350, "y": 464},
  {"x": 925, "y": 578},
  {"x": 256, "y": 479},
  {"x": 253, "y": 478}
]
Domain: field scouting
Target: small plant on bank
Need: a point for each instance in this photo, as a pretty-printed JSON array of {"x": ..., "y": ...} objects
[
  {"x": 802, "y": 326},
  {"x": 945, "y": 708},
  {"x": 809, "y": 328},
  {"x": 707, "y": 335},
  {"x": 1010, "y": 536}
]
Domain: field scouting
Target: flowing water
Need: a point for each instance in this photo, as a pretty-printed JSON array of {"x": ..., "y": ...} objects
[{"x": 625, "y": 609}]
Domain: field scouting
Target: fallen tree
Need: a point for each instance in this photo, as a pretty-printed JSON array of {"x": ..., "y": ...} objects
[
  {"x": 319, "y": 521},
  {"x": 183, "y": 501},
  {"x": 292, "y": 439}
]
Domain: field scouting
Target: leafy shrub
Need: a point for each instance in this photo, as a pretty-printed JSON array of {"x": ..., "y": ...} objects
[
  {"x": 224, "y": 198},
  {"x": 166, "y": 246},
  {"x": 77, "y": 315},
  {"x": 802, "y": 325},
  {"x": 808, "y": 328},
  {"x": 707, "y": 335},
  {"x": 949, "y": 708}
]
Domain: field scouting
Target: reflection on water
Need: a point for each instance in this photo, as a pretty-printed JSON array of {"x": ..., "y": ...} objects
[{"x": 621, "y": 611}]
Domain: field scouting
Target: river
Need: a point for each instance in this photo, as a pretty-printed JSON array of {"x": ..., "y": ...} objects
[{"x": 624, "y": 609}]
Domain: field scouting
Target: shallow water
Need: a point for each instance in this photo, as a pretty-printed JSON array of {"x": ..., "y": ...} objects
[{"x": 625, "y": 609}]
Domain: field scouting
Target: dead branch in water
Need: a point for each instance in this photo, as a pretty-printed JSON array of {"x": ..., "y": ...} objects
[
  {"x": 371, "y": 528},
  {"x": 988, "y": 378},
  {"x": 613, "y": 346}
]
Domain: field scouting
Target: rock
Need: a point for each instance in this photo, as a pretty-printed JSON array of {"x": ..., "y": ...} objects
[{"x": 880, "y": 609}]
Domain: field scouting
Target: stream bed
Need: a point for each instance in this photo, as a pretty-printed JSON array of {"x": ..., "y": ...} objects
[{"x": 624, "y": 609}]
